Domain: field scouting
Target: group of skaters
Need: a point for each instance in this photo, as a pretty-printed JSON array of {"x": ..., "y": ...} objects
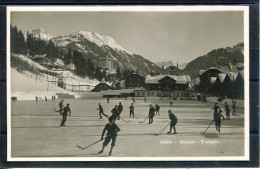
[
  {"x": 217, "y": 114},
  {"x": 111, "y": 128}
]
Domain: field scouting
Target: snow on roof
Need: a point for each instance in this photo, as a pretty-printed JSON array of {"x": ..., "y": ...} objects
[
  {"x": 221, "y": 77},
  {"x": 61, "y": 75},
  {"x": 242, "y": 73},
  {"x": 183, "y": 79},
  {"x": 196, "y": 81},
  {"x": 213, "y": 80},
  {"x": 232, "y": 75},
  {"x": 153, "y": 79},
  {"x": 201, "y": 72}
]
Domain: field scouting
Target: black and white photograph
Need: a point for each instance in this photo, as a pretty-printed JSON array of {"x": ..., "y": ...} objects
[{"x": 128, "y": 83}]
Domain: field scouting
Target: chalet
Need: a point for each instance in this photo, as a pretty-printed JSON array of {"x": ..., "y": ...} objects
[
  {"x": 134, "y": 80},
  {"x": 171, "y": 70},
  {"x": 166, "y": 86},
  {"x": 205, "y": 76},
  {"x": 101, "y": 86}
]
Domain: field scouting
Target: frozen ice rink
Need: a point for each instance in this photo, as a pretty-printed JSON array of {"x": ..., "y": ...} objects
[{"x": 36, "y": 131}]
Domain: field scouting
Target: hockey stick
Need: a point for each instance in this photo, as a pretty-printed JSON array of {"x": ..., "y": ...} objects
[
  {"x": 207, "y": 127},
  {"x": 162, "y": 130},
  {"x": 144, "y": 120},
  {"x": 125, "y": 120},
  {"x": 93, "y": 143}
]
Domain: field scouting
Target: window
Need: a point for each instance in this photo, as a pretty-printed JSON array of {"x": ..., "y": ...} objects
[
  {"x": 138, "y": 93},
  {"x": 143, "y": 93},
  {"x": 148, "y": 93},
  {"x": 152, "y": 93}
]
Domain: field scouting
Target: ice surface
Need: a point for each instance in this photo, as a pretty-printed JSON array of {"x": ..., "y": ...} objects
[{"x": 36, "y": 132}]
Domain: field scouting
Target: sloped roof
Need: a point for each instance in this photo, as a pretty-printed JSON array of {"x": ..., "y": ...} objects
[
  {"x": 221, "y": 77},
  {"x": 203, "y": 71},
  {"x": 213, "y": 80},
  {"x": 232, "y": 75},
  {"x": 61, "y": 76},
  {"x": 196, "y": 81},
  {"x": 242, "y": 73},
  {"x": 153, "y": 79},
  {"x": 183, "y": 79}
]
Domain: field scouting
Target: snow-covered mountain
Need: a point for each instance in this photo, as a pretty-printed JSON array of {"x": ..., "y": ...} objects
[
  {"x": 40, "y": 33},
  {"x": 96, "y": 46}
]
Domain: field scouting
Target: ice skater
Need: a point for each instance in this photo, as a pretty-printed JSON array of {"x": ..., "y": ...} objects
[
  {"x": 45, "y": 98},
  {"x": 65, "y": 114},
  {"x": 108, "y": 100},
  {"x": 120, "y": 109},
  {"x": 227, "y": 111},
  {"x": 61, "y": 106},
  {"x": 157, "y": 109},
  {"x": 171, "y": 102},
  {"x": 132, "y": 110},
  {"x": 133, "y": 100},
  {"x": 144, "y": 99},
  {"x": 112, "y": 130},
  {"x": 234, "y": 108},
  {"x": 36, "y": 99},
  {"x": 114, "y": 112},
  {"x": 217, "y": 118},
  {"x": 151, "y": 114},
  {"x": 174, "y": 121},
  {"x": 100, "y": 108},
  {"x": 216, "y": 108}
]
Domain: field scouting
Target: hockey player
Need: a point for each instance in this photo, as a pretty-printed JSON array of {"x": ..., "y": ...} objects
[
  {"x": 100, "y": 108},
  {"x": 217, "y": 118},
  {"x": 61, "y": 106},
  {"x": 132, "y": 110},
  {"x": 174, "y": 121},
  {"x": 120, "y": 109},
  {"x": 234, "y": 108},
  {"x": 227, "y": 111},
  {"x": 157, "y": 109},
  {"x": 151, "y": 114},
  {"x": 65, "y": 114},
  {"x": 112, "y": 130},
  {"x": 114, "y": 112}
]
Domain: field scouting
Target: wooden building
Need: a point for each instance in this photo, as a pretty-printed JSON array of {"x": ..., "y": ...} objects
[
  {"x": 166, "y": 86},
  {"x": 205, "y": 76},
  {"x": 172, "y": 70},
  {"x": 134, "y": 80},
  {"x": 62, "y": 80},
  {"x": 101, "y": 86}
]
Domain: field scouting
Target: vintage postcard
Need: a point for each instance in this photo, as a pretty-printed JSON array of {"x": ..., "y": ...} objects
[{"x": 128, "y": 83}]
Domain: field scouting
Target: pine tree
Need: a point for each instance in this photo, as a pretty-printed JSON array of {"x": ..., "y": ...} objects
[
  {"x": 118, "y": 74},
  {"x": 90, "y": 68},
  {"x": 98, "y": 74}
]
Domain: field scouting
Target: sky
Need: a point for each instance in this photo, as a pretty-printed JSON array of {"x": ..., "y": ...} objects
[{"x": 158, "y": 36}]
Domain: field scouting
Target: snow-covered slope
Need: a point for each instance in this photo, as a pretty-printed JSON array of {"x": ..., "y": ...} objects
[
  {"x": 100, "y": 40},
  {"x": 41, "y": 33},
  {"x": 96, "y": 46}
]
